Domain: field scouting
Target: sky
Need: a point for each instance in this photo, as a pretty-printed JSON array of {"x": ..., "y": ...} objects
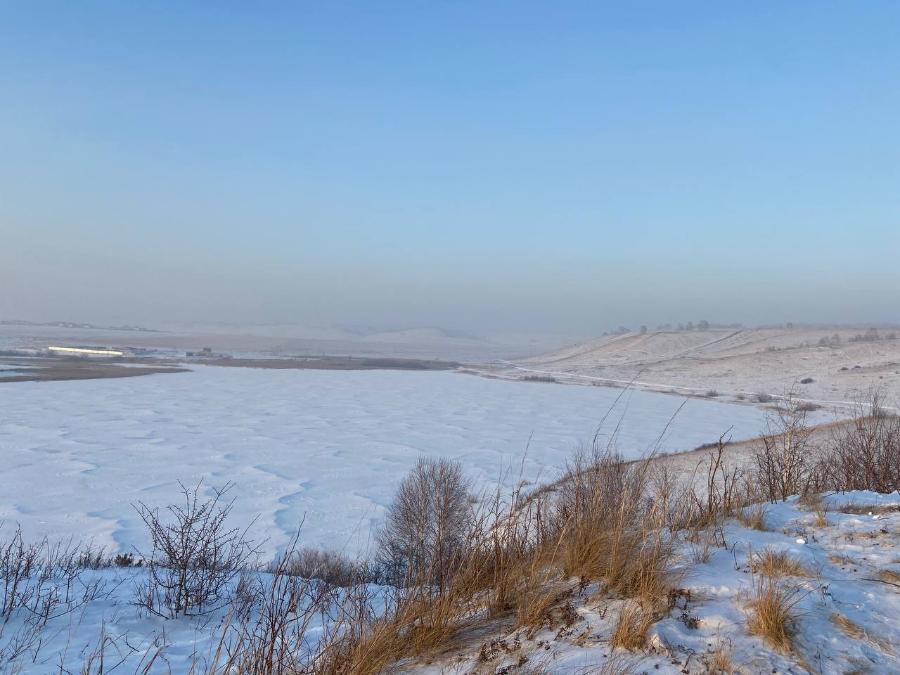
[{"x": 560, "y": 167}]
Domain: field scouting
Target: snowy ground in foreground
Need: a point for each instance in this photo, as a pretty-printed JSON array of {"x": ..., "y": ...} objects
[
  {"x": 330, "y": 445},
  {"x": 844, "y": 558}
]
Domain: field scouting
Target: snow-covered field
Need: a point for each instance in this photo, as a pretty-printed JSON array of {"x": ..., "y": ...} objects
[
  {"x": 831, "y": 367},
  {"x": 330, "y": 446}
]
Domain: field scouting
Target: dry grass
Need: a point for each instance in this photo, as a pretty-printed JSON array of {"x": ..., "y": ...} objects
[
  {"x": 773, "y": 563},
  {"x": 632, "y": 626},
  {"x": 815, "y": 503},
  {"x": 700, "y": 549},
  {"x": 889, "y": 577},
  {"x": 719, "y": 660},
  {"x": 536, "y": 601},
  {"x": 853, "y": 630},
  {"x": 850, "y": 628},
  {"x": 753, "y": 516},
  {"x": 843, "y": 560},
  {"x": 821, "y": 518},
  {"x": 773, "y": 616},
  {"x": 609, "y": 530},
  {"x": 412, "y": 627},
  {"x": 867, "y": 509}
]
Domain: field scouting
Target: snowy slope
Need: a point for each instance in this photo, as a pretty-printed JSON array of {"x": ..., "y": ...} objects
[{"x": 847, "y": 614}]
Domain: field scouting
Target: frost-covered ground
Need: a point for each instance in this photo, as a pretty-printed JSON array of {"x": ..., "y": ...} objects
[
  {"x": 733, "y": 363},
  {"x": 848, "y": 605},
  {"x": 328, "y": 445},
  {"x": 847, "y": 612},
  {"x": 111, "y": 633}
]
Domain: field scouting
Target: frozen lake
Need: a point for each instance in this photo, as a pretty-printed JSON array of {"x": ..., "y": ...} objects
[{"x": 329, "y": 445}]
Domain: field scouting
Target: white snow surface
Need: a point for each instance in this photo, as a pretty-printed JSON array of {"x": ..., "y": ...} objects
[{"x": 328, "y": 445}]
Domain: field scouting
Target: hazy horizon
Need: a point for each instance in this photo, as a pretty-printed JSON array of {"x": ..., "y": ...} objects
[{"x": 555, "y": 169}]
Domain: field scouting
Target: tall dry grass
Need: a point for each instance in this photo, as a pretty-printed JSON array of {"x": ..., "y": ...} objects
[{"x": 774, "y": 616}]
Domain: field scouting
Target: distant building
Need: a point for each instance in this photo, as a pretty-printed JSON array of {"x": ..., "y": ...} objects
[
  {"x": 206, "y": 353},
  {"x": 84, "y": 351}
]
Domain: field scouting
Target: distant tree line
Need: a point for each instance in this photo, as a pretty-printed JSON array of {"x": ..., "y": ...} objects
[{"x": 701, "y": 325}]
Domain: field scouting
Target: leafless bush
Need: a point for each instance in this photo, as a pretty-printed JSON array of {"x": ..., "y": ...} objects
[
  {"x": 865, "y": 453},
  {"x": 194, "y": 556},
  {"x": 274, "y": 613},
  {"x": 871, "y": 335},
  {"x": 783, "y": 463},
  {"x": 331, "y": 567},
  {"x": 539, "y": 378},
  {"x": 725, "y": 490},
  {"x": 38, "y": 583},
  {"x": 426, "y": 524}
]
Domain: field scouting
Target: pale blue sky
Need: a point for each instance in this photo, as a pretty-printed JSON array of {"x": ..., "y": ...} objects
[{"x": 475, "y": 165}]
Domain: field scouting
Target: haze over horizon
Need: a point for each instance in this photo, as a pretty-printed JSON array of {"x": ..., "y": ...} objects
[{"x": 478, "y": 167}]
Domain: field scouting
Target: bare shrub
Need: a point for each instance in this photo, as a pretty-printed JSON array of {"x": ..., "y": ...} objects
[
  {"x": 195, "y": 555},
  {"x": 426, "y": 525},
  {"x": 783, "y": 463},
  {"x": 723, "y": 495},
  {"x": 539, "y": 378},
  {"x": 865, "y": 453},
  {"x": 871, "y": 335},
  {"x": 331, "y": 567},
  {"x": 274, "y": 615},
  {"x": 39, "y": 582}
]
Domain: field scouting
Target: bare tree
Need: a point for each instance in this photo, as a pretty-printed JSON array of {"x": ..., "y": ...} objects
[
  {"x": 783, "y": 463},
  {"x": 426, "y": 524},
  {"x": 195, "y": 554}
]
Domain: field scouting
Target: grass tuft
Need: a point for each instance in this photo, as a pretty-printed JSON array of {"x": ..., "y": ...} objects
[
  {"x": 753, "y": 517},
  {"x": 778, "y": 564},
  {"x": 632, "y": 626},
  {"x": 773, "y": 616}
]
